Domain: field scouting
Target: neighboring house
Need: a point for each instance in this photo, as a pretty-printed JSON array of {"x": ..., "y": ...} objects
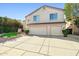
[{"x": 46, "y": 20}]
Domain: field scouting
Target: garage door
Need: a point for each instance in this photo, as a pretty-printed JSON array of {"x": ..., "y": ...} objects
[
  {"x": 56, "y": 30},
  {"x": 48, "y": 29},
  {"x": 38, "y": 30}
]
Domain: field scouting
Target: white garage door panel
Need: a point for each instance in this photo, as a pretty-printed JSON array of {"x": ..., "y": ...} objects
[
  {"x": 56, "y": 30},
  {"x": 48, "y": 29},
  {"x": 38, "y": 31}
]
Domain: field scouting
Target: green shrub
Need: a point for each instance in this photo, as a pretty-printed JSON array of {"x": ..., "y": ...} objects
[
  {"x": 65, "y": 32},
  {"x": 26, "y": 31},
  {"x": 9, "y": 25},
  {"x": 1, "y": 29},
  {"x": 7, "y": 29}
]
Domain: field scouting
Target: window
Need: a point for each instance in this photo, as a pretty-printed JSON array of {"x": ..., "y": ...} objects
[
  {"x": 53, "y": 16},
  {"x": 36, "y": 18}
]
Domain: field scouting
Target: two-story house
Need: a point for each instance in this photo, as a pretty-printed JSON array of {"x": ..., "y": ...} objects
[{"x": 46, "y": 20}]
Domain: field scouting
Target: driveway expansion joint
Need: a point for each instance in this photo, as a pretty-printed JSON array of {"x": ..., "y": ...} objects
[
  {"x": 41, "y": 46},
  {"x": 77, "y": 53}
]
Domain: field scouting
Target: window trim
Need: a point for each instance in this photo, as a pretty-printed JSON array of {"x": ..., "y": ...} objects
[
  {"x": 54, "y": 18},
  {"x": 37, "y": 20}
]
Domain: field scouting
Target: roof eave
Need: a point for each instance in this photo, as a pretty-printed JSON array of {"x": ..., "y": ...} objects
[{"x": 41, "y": 7}]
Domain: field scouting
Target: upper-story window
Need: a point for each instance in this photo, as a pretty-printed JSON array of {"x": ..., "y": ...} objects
[
  {"x": 53, "y": 16},
  {"x": 36, "y": 18}
]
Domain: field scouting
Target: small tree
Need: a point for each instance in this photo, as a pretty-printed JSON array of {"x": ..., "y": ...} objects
[{"x": 68, "y": 11}]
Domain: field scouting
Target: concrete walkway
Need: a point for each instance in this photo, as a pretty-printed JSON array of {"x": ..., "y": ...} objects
[{"x": 39, "y": 46}]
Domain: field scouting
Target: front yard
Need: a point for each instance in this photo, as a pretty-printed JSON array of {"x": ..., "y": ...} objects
[{"x": 8, "y": 35}]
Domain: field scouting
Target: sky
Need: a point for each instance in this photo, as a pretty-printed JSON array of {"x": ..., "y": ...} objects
[{"x": 20, "y": 10}]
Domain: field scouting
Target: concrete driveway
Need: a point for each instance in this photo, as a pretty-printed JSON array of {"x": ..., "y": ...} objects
[{"x": 39, "y": 46}]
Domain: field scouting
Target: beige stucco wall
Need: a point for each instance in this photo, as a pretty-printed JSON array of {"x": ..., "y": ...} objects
[
  {"x": 75, "y": 29},
  {"x": 45, "y": 29},
  {"x": 44, "y": 15}
]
